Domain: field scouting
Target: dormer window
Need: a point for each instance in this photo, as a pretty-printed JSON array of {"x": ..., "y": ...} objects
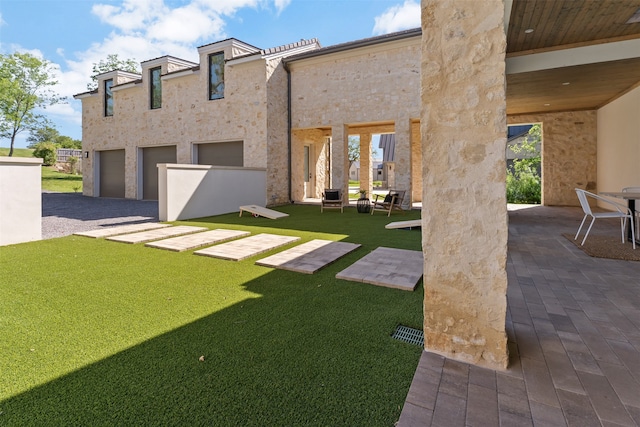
[
  {"x": 216, "y": 75},
  {"x": 108, "y": 98},
  {"x": 155, "y": 88}
]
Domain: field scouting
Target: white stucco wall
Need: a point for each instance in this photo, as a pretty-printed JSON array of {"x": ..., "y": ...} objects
[
  {"x": 196, "y": 191},
  {"x": 20, "y": 200},
  {"x": 619, "y": 143}
]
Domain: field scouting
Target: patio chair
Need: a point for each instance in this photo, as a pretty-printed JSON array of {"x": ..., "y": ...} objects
[
  {"x": 392, "y": 200},
  {"x": 331, "y": 199},
  {"x": 620, "y": 211},
  {"x": 637, "y": 206}
]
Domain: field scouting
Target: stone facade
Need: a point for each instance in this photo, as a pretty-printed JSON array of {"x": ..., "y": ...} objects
[
  {"x": 253, "y": 110},
  {"x": 569, "y": 154},
  {"x": 365, "y": 89},
  {"x": 465, "y": 221}
]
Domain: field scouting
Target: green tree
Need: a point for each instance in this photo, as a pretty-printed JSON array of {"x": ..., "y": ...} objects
[
  {"x": 353, "y": 149},
  {"x": 43, "y": 134},
  {"x": 25, "y": 87},
  {"x": 113, "y": 62},
  {"x": 524, "y": 184},
  {"x": 64, "y": 141},
  {"x": 51, "y": 134}
]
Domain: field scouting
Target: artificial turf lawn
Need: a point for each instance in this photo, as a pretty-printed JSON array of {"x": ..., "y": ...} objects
[{"x": 105, "y": 333}]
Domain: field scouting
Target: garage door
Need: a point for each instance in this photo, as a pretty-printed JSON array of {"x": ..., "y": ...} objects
[
  {"x": 112, "y": 173},
  {"x": 227, "y": 153},
  {"x": 150, "y": 158}
]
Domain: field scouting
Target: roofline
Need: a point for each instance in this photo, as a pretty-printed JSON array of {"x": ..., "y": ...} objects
[
  {"x": 371, "y": 41},
  {"x": 87, "y": 94}
]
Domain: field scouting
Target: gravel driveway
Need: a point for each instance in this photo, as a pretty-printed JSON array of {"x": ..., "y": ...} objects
[{"x": 66, "y": 213}]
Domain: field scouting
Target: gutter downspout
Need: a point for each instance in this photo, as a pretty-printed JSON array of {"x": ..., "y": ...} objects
[{"x": 289, "y": 119}]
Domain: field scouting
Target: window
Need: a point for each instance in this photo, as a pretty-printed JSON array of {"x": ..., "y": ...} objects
[
  {"x": 108, "y": 98},
  {"x": 216, "y": 76},
  {"x": 155, "y": 88}
]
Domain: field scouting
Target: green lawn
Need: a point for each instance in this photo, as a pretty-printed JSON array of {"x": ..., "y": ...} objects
[
  {"x": 17, "y": 152},
  {"x": 105, "y": 333},
  {"x": 52, "y": 180}
]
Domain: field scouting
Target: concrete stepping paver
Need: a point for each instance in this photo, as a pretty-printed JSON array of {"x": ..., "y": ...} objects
[
  {"x": 389, "y": 267},
  {"x": 196, "y": 240},
  {"x": 247, "y": 247},
  {"x": 121, "y": 229},
  {"x": 147, "y": 236},
  {"x": 309, "y": 257}
]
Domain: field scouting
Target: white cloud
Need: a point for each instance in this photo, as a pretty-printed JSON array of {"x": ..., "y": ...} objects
[
  {"x": 281, "y": 5},
  {"x": 398, "y": 18},
  {"x": 142, "y": 30}
]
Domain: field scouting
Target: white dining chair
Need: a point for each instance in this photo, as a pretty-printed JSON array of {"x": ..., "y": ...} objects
[
  {"x": 620, "y": 211},
  {"x": 634, "y": 190}
]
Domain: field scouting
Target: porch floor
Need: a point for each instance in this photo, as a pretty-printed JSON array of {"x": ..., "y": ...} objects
[{"x": 573, "y": 326}]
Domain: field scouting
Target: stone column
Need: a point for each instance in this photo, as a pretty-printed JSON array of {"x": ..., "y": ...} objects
[
  {"x": 340, "y": 159},
  {"x": 464, "y": 217},
  {"x": 366, "y": 175},
  {"x": 402, "y": 159}
]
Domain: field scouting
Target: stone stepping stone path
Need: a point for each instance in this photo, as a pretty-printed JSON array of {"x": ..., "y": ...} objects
[
  {"x": 147, "y": 236},
  {"x": 309, "y": 257},
  {"x": 121, "y": 229},
  {"x": 196, "y": 240},
  {"x": 389, "y": 267},
  {"x": 247, "y": 247}
]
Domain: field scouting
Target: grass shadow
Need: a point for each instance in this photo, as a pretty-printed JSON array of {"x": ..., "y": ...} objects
[{"x": 117, "y": 332}]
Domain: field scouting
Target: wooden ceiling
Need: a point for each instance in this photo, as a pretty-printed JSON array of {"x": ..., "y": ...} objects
[{"x": 567, "y": 26}]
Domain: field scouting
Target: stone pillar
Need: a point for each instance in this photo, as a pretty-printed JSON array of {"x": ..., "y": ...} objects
[
  {"x": 464, "y": 216},
  {"x": 340, "y": 159},
  {"x": 366, "y": 176},
  {"x": 402, "y": 159}
]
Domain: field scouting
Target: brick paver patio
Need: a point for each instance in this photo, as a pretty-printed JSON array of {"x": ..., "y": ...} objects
[{"x": 573, "y": 324}]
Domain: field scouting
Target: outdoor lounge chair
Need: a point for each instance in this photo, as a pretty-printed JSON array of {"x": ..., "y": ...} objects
[
  {"x": 331, "y": 199},
  {"x": 392, "y": 200},
  {"x": 620, "y": 211}
]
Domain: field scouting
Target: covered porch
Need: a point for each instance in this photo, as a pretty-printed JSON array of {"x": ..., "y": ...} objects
[{"x": 573, "y": 327}]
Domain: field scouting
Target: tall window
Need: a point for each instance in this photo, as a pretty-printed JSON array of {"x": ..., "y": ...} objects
[
  {"x": 108, "y": 98},
  {"x": 216, "y": 75},
  {"x": 155, "y": 88}
]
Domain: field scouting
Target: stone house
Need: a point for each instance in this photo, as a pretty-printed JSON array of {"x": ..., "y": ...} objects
[
  {"x": 447, "y": 91},
  {"x": 230, "y": 109},
  {"x": 294, "y": 105}
]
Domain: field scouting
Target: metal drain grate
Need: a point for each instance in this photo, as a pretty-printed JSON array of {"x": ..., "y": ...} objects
[{"x": 409, "y": 335}]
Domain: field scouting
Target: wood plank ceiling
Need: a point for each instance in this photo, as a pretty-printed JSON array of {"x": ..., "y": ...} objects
[{"x": 537, "y": 27}]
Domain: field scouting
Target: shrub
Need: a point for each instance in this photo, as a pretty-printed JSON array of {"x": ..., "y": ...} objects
[
  {"x": 73, "y": 165},
  {"x": 47, "y": 152}
]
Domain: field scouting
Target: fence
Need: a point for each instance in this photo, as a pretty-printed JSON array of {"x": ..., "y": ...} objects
[{"x": 65, "y": 153}]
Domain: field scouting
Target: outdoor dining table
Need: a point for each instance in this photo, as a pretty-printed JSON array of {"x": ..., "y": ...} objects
[{"x": 631, "y": 197}]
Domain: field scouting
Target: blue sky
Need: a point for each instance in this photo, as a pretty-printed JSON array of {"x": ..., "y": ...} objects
[{"x": 75, "y": 34}]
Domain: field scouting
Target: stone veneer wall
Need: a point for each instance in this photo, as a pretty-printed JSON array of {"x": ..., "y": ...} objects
[
  {"x": 188, "y": 117},
  {"x": 416, "y": 162},
  {"x": 277, "y": 151},
  {"x": 569, "y": 154},
  {"x": 374, "y": 86},
  {"x": 464, "y": 218}
]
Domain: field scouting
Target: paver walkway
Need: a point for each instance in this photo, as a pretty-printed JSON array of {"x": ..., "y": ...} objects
[
  {"x": 121, "y": 229},
  {"x": 573, "y": 324},
  {"x": 247, "y": 247},
  {"x": 309, "y": 257},
  {"x": 149, "y": 235},
  {"x": 389, "y": 267},
  {"x": 197, "y": 240}
]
